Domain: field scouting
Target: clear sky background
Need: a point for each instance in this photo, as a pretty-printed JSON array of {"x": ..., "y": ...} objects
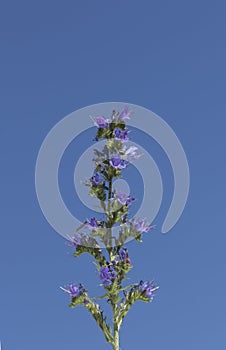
[{"x": 57, "y": 57}]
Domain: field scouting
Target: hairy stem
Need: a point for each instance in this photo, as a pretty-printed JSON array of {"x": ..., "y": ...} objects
[
  {"x": 109, "y": 224},
  {"x": 117, "y": 325},
  {"x": 103, "y": 206},
  {"x": 116, "y": 340}
]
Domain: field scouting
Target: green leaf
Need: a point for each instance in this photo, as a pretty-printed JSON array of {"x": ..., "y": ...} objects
[
  {"x": 75, "y": 301},
  {"x": 97, "y": 314},
  {"x": 105, "y": 296},
  {"x": 95, "y": 252}
]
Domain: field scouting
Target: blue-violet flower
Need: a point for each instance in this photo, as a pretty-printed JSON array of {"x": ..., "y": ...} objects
[
  {"x": 141, "y": 225},
  {"x": 148, "y": 288},
  {"x": 131, "y": 154},
  {"x": 74, "y": 291},
  {"x": 101, "y": 122},
  {"x": 92, "y": 223},
  {"x": 106, "y": 275},
  {"x": 123, "y": 254},
  {"x": 121, "y": 135},
  {"x": 123, "y": 198},
  {"x": 117, "y": 162},
  {"x": 125, "y": 114},
  {"x": 96, "y": 179}
]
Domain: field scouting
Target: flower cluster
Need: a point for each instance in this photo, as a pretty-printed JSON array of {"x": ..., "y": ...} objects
[
  {"x": 125, "y": 114},
  {"x": 96, "y": 179},
  {"x": 107, "y": 275},
  {"x": 147, "y": 288},
  {"x": 117, "y": 162},
  {"x": 141, "y": 225},
  {"x": 109, "y": 164},
  {"x": 74, "y": 291},
  {"x": 80, "y": 239},
  {"x": 123, "y": 255},
  {"x": 101, "y": 122},
  {"x": 121, "y": 135},
  {"x": 123, "y": 198},
  {"x": 93, "y": 223}
]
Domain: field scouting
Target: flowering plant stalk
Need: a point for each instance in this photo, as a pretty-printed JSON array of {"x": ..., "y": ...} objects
[{"x": 113, "y": 268}]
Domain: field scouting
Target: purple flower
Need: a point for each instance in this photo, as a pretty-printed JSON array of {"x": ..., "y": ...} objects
[
  {"x": 101, "y": 122},
  {"x": 95, "y": 179},
  {"x": 117, "y": 133},
  {"x": 106, "y": 275},
  {"x": 140, "y": 225},
  {"x": 74, "y": 291},
  {"x": 131, "y": 153},
  {"x": 121, "y": 135},
  {"x": 117, "y": 162},
  {"x": 123, "y": 254},
  {"x": 92, "y": 223},
  {"x": 124, "y": 199},
  {"x": 81, "y": 239},
  {"x": 125, "y": 114},
  {"x": 112, "y": 272},
  {"x": 74, "y": 241},
  {"x": 147, "y": 288}
]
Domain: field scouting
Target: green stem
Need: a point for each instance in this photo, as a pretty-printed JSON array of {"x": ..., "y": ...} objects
[
  {"x": 109, "y": 228},
  {"x": 98, "y": 316},
  {"x": 103, "y": 206},
  {"x": 115, "y": 343},
  {"x": 116, "y": 339},
  {"x": 117, "y": 324},
  {"x": 109, "y": 242},
  {"x": 109, "y": 193}
]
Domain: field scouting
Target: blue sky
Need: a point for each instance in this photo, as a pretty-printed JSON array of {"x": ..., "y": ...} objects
[{"x": 169, "y": 57}]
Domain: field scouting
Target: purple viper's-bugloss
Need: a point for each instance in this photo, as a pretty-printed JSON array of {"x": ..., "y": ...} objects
[
  {"x": 117, "y": 162},
  {"x": 112, "y": 232},
  {"x": 96, "y": 179},
  {"x": 92, "y": 223},
  {"x": 107, "y": 275},
  {"x": 125, "y": 114},
  {"x": 74, "y": 290},
  {"x": 121, "y": 135},
  {"x": 141, "y": 225},
  {"x": 131, "y": 154},
  {"x": 101, "y": 122},
  {"x": 123, "y": 198},
  {"x": 123, "y": 254},
  {"x": 148, "y": 288}
]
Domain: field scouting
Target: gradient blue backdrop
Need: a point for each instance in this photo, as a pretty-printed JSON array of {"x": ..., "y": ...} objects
[{"x": 168, "y": 56}]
